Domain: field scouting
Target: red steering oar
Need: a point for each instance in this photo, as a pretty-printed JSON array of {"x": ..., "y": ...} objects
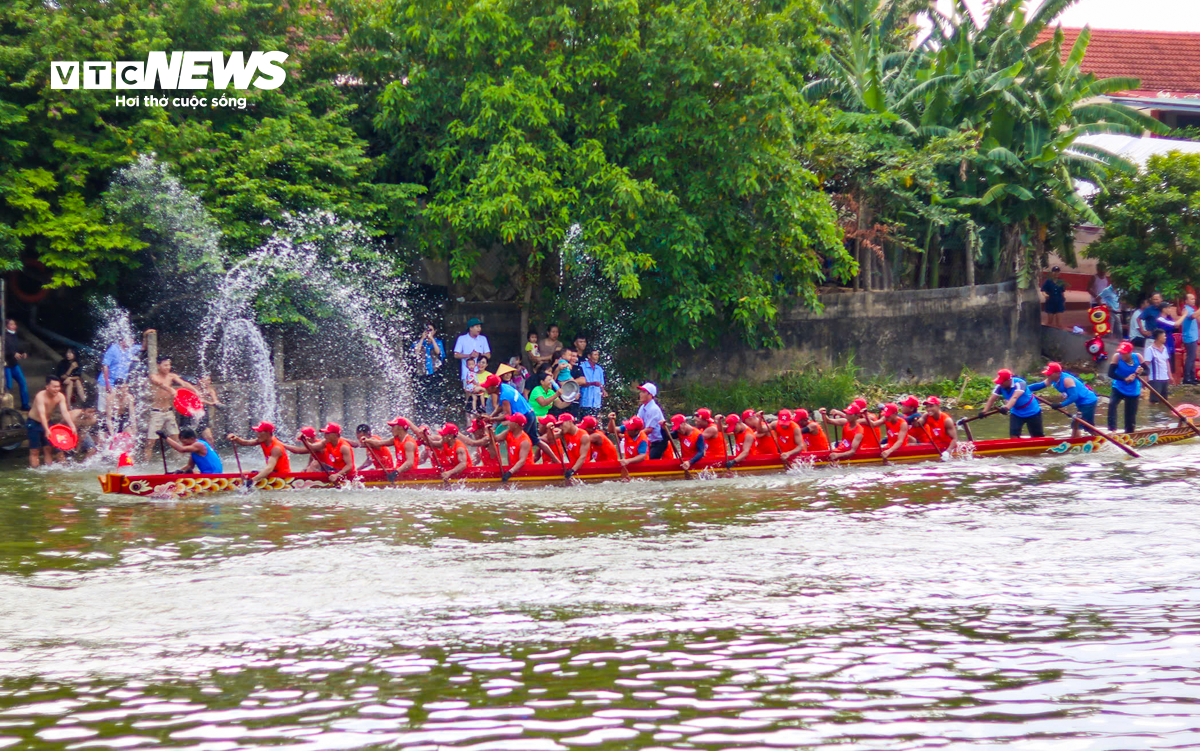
[
  {"x": 1106, "y": 436},
  {"x": 1163, "y": 399}
]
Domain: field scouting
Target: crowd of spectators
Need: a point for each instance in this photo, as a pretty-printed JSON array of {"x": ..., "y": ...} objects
[{"x": 556, "y": 377}]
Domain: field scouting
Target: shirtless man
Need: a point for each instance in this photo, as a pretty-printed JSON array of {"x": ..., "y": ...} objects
[
  {"x": 164, "y": 385},
  {"x": 48, "y": 402}
]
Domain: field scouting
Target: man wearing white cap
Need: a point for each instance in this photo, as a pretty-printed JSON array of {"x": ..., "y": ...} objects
[{"x": 652, "y": 417}]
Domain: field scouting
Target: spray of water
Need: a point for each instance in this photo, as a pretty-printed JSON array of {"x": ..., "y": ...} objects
[{"x": 314, "y": 261}]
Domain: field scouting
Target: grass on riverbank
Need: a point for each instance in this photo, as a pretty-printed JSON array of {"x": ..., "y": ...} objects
[{"x": 812, "y": 387}]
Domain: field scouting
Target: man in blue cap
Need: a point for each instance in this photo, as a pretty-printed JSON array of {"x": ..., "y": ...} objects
[{"x": 471, "y": 345}]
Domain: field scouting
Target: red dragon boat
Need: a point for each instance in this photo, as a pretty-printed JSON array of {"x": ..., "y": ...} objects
[{"x": 179, "y": 485}]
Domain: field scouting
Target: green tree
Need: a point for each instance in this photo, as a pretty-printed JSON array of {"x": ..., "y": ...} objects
[
  {"x": 671, "y": 134},
  {"x": 291, "y": 149},
  {"x": 1151, "y": 237}
]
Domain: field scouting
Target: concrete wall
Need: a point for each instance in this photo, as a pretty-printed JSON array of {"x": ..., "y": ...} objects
[{"x": 911, "y": 334}]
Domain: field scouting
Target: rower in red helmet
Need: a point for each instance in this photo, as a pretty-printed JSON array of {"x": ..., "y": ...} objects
[
  {"x": 714, "y": 442},
  {"x": 636, "y": 447},
  {"x": 404, "y": 443},
  {"x": 452, "y": 453},
  {"x": 939, "y": 425},
  {"x": 894, "y": 427},
  {"x": 790, "y": 434},
  {"x": 815, "y": 440},
  {"x": 517, "y": 444},
  {"x": 854, "y": 432},
  {"x": 599, "y": 447},
  {"x": 743, "y": 439}
]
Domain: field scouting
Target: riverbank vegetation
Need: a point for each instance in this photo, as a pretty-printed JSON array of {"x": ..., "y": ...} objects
[{"x": 718, "y": 158}]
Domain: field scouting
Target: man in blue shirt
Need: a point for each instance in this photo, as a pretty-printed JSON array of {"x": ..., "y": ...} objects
[
  {"x": 1019, "y": 402},
  {"x": 1190, "y": 333},
  {"x": 592, "y": 393},
  {"x": 509, "y": 401},
  {"x": 1074, "y": 391},
  {"x": 430, "y": 351},
  {"x": 114, "y": 383}
]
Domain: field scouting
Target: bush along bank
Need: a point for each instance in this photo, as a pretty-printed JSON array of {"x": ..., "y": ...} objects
[{"x": 811, "y": 387}]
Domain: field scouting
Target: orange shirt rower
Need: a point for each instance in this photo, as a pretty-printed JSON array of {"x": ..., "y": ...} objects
[
  {"x": 403, "y": 442},
  {"x": 895, "y": 428},
  {"x": 451, "y": 452},
  {"x": 910, "y": 412},
  {"x": 815, "y": 439},
  {"x": 576, "y": 442},
  {"x": 599, "y": 447},
  {"x": 854, "y": 432},
  {"x": 517, "y": 445},
  {"x": 714, "y": 442},
  {"x": 378, "y": 456},
  {"x": 789, "y": 434},
  {"x": 939, "y": 426},
  {"x": 331, "y": 454},
  {"x": 479, "y": 438},
  {"x": 274, "y": 451},
  {"x": 743, "y": 439},
  {"x": 636, "y": 447}
]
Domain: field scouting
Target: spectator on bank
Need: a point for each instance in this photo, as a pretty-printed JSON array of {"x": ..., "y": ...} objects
[
  {"x": 541, "y": 396},
  {"x": 1099, "y": 283},
  {"x": 532, "y": 357},
  {"x": 593, "y": 392},
  {"x": 1150, "y": 315},
  {"x": 1190, "y": 334},
  {"x": 579, "y": 344},
  {"x": 429, "y": 355},
  {"x": 70, "y": 370},
  {"x": 551, "y": 344},
  {"x": 1136, "y": 335},
  {"x": 1056, "y": 298},
  {"x": 1158, "y": 364},
  {"x": 14, "y": 353},
  {"x": 471, "y": 345}
]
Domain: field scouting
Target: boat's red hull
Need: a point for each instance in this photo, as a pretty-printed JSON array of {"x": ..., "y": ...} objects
[{"x": 542, "y": 474}]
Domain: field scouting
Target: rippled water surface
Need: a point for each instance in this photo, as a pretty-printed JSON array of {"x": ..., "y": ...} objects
[{"x": 1029, "y": 604}]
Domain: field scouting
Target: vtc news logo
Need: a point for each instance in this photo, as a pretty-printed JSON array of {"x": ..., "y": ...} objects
[{"x": 182, "y": 70}]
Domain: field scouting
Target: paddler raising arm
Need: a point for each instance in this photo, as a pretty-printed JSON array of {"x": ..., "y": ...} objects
[
  {"x": 332, "y": 454},
  {"x": 274, "y": 451},
  {"x": 895, "y": 428}
]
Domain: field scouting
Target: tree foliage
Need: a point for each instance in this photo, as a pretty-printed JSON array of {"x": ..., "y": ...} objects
[
  {"x": 671, "y": 134},
  {"x": 291, "y": 149},
  {"x": 1151, "y": 239}
]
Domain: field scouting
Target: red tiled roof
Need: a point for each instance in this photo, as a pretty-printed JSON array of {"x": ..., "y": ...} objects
[{"x": 1167, "y": 62}]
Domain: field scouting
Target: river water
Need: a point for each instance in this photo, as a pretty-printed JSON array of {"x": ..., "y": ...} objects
[{"x": 1016, "y": 603}]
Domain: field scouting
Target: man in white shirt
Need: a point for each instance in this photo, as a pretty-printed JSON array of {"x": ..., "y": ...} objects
[
  {"x": 652, "y": 417},
  {"x": 471, "y": 344}
]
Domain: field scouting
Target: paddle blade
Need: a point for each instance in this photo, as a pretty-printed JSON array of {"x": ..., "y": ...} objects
[{"x": 1190, "y": 411}]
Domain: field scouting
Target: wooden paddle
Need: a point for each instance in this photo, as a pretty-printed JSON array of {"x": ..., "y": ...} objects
[
  {"x": 962, "y": 422},
  {"x": 1163, "y": 399},
  {"x": 612, "y": 424},
  {"x": 241, "y": 474},
  {"x": 491, "y": 431},
  {"x": 162, "y": 445},
  {"x": 324, "y": 467},
  {"x": 390, "y": 474},
  {"x": 562, "y": 460},
  {"x": 433, "y": 457},
  {"x": 1107, "y": 436}
]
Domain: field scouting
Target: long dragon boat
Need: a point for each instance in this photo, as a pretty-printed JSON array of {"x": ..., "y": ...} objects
[{"x": 183, "y": 485}]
